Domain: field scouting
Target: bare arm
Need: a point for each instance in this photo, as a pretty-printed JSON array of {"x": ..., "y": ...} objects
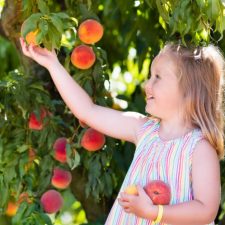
[
  {"x": 206, "y": 186},
  {"x": 121, "y": 125}
]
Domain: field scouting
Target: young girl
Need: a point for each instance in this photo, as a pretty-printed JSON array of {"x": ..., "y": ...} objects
[{"x": 180, "y": 143}]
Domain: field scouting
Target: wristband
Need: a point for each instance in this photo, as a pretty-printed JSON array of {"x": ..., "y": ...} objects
[{"x": 160, "y": 215}]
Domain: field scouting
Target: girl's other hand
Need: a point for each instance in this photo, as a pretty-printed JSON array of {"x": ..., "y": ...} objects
[
  {"x": 140, "y": 204},
  {"x": 42, "y": 56}
]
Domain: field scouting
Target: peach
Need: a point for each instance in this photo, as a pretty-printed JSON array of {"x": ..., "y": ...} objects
[
  {"x": 131, "y": 190},
  {"x": 60, "y": 149},
  {"x": 92, "y": 140},
  {"x": 61, "y": 178},
  {"x": 51, "y": 201},
  {"x": 36, "y": 123},
  {"x": 31, "y": 37},
  {"x": 83, "y": 57},
  {"x": 90, "y": 31},
  {"x": 159, "y": 192},
  {"x": 12, "y": 208}
]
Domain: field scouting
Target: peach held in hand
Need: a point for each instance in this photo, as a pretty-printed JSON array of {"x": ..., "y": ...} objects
[
  {"x": 60, "y": 149},
  {"x": 92, "y": 140},
  {"x": 131, "y": 190},
  {"x": 51, "y": 201},
  {"x": 31, "y": 36},
  {"x": 159, "y": 192},
  {"x": 83, "y": 57},
  {"x": 90, "y": 31},
  {"x": 61, "y": 178}
]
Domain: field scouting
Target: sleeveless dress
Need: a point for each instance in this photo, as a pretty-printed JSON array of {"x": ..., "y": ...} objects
[{"x": 156, "y": 159}]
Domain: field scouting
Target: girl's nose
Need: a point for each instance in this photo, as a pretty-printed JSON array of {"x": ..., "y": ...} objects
[{"x": 147, "y": 84}]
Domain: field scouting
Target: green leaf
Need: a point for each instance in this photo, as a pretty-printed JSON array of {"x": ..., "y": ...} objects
[
  {"x": 30, "y": 24},
  {"x": 45, "y": 218},
  {"x": 57, "y": 22},
  {"x": 4, "y": 191},
  {"x": 22, "y": 148},
  {"x": 75, "y": 160},
  {"x": 62, "y": 15},
  {"x": 68, "y": 198},
  {"x": 20, "y": 213},
  {"x": 42, "y": 5}
]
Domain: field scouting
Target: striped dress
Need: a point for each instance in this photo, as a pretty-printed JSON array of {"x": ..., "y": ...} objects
[{"x": 155, "y": 159}]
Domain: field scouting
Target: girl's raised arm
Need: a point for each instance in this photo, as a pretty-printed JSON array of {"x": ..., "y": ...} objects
[{"x": 121, "y": 125}]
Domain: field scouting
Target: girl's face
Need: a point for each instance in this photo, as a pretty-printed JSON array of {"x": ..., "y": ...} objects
[{"x": 162, "y": 91}]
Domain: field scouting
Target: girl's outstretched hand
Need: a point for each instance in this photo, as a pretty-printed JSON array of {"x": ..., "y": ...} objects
[
  {"x": 140, "y": 204},
  {"x": 42, "y": 56}
]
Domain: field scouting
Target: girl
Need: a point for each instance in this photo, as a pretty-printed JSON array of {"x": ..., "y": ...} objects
[{"x": 180, "y": 143}]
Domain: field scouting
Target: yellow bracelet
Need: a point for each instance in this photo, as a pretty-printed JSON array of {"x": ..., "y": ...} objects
[{"x": 160, "y": 214}]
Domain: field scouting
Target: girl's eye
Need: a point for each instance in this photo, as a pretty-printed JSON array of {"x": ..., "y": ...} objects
[{"x": 157, "y": 76}]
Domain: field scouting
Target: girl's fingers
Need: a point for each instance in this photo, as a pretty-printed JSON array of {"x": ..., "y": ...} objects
[
  {"x": 24, "y": 47},
  {"x": 123, "y": 203},
  {"x": 23, "y": 44},
  {"x": 31, "y": 50},
  {"x": 127, "y": 210}
]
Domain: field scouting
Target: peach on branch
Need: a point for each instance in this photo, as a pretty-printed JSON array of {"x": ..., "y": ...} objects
[
  {"x": 36, "y": 123},
  {"x": 12, "y": 208},
  {"x": 61, "y": 178},
  {"x": 51, "y": 201},
  {"x": 83, "y": 57},
  {"x": 90, "y": 31},
  {"x": 60, "y": 149},
  {"x": 92, "y": 140}
]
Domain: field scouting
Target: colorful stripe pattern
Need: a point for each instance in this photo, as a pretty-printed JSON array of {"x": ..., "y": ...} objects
[{"x": 155, "y": 159}]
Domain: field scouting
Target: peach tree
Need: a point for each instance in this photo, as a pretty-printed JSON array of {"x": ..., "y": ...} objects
[{"x": 48, "y": 158}]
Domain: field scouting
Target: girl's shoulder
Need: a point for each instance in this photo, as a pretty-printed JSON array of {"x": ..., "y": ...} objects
[{"x": 147, "y": 124}]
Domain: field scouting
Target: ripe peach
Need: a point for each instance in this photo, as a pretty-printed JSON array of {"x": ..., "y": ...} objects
[
  {"x": 90, "y": 31},
  {"x": 131, "y": 190},
  {"x": 92, "y": 140},
  {"x": 12, "y": 208},
  {"x": 31, "y": 37},
  {"x": 60, "y": 149},
  {"x": 83, "y": 57},
  {"x": 51, "y": 201},
  {"x": 37, "y": 123},
  {"x": 159, "y": 192},
  {"x": 61, "y": 178}
]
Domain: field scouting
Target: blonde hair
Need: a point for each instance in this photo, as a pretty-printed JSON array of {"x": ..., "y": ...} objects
[{"x": 200, "y": 74}]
